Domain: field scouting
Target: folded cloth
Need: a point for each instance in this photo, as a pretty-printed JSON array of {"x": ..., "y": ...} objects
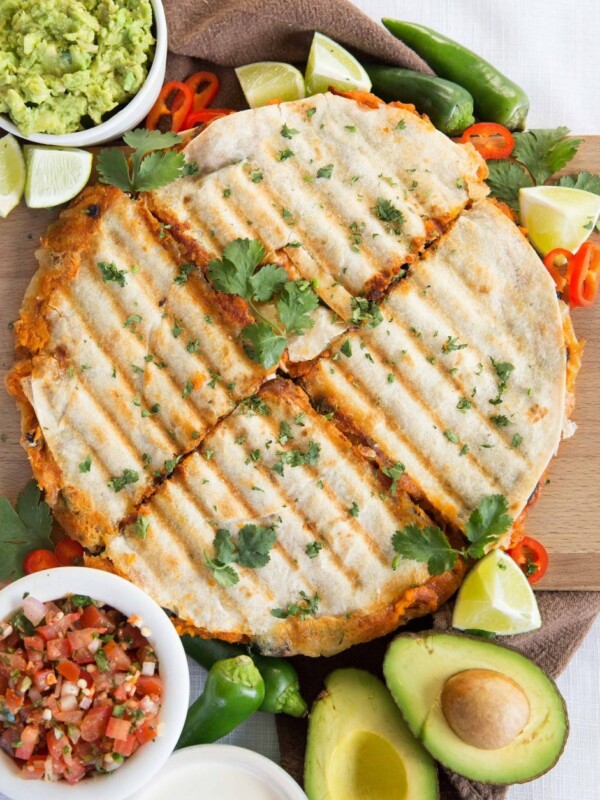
[
  {"x": 567, "y": 617},
  {"x": 222, "y": 34},
  {"x": 229, "y": 33}
]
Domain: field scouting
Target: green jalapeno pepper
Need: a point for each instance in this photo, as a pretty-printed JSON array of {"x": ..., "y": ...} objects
[
  {"x": 448, "y": 105},
  {"x": 282, "y": 687},
  {"x": 233, "y": 691},
  {"x": 497, "y": 98}
]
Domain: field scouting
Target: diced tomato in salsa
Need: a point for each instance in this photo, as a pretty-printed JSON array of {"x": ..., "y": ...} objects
[{"x": 73, "y": 700}]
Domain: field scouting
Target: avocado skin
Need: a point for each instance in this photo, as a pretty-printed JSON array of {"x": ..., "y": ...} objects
[
  {"x": 415, "y": 668},
  {"x": 356, "y": 707}
]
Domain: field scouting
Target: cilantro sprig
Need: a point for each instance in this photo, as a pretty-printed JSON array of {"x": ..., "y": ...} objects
[
  {"x": 539, "y": 154},
  {"x": 252, "y": 550},
  {"x": 22, "y": 529},
  {"x": 239, "y": 272},
  {"x": 151, "y": 165},
  {"x": 429, "y": 545}
]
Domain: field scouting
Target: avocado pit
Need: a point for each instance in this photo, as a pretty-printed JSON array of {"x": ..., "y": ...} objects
[{"x": 485, "y": 708}]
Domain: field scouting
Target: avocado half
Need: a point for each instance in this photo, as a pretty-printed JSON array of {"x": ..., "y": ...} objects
[
  {"x": 360, "y": 747},
  {"x": 416, "y": 668}
]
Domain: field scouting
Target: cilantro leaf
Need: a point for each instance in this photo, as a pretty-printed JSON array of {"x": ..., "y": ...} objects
[
  {"x": 232, "y": 273},
  {"x": 505, "y": 180},
  {"x": 141, "y": 173},
  {"x": 22, "y": 529},
  {"x": 364, "y": 310},
  {"x": 582, "y": 180},
  {"x": 305, "y": 607},
  {"x": 426, "y": 545},
  {"x": 394, "y": 472},
  {"x": 113, "y": 168},
  {"x": 145, "y": 141},
  {"x": 158, "y": 169},
  {"x": 263, "y": 344},
  {"x": 297, "y": 300},
  {"x": 545, "y": 151},
  {"x": 486, "y": 524},
  {"x": 223, "y": 573},
  {"x": 254, "y": 544},
  {"x": 224, "y": 546},
  {"x": 267, "y": 282}
]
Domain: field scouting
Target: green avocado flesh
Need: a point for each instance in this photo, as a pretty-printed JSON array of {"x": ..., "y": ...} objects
[
  {"x": 359, "y": 747},
  {"x": 416, "y": 668}
]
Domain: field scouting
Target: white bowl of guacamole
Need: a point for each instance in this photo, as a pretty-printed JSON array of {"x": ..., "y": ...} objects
[{"x": 79, "y": 72}]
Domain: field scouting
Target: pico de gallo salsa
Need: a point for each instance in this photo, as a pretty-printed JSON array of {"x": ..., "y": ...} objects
[{"x": 80, "y": 690}]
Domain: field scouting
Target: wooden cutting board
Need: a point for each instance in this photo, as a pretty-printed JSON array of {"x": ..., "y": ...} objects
[{"x": 566, "y": 518}]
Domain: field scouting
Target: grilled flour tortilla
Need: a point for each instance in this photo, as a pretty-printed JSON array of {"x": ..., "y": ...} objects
[{"x": 138, "y": 401}]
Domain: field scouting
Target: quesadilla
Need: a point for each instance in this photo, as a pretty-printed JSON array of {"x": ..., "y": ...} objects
[
  {"x": 131, "y": 357},
  {"x": 328, "y": 582},
  {"x": 464, "y": 381},
  {"x": 349, "y": 193}
]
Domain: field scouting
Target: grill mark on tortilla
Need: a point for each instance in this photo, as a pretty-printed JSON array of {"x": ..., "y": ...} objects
[
  {"x": 335, "y": 501},
  {"x": 290, "y": 504},
  {"x": 251, "y": 511},
  {"x": 162, "y": 512},
  {"x": 425, "y": 461},
  {"x": 446, "y": 376}
]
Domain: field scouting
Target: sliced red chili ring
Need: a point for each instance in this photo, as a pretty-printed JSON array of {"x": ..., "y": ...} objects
[
  {"x": 171, "y": 108},
  {"x": 489, "y": 139},
  {"x": 532, "y": 557},
  {"x": 205, "y": 87},
  {"x": 583, "y": 283},
  {"x": 204, "y": 115},
  {"x": 553, "y": 266}
]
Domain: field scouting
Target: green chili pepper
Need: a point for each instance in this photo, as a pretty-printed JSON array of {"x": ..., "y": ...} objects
[
  {"x": 282, "y": 687},
  {"x": 497, "y": 98},
  {"x": 448, "y": 105},
  {"x": 233, "y": 691}
]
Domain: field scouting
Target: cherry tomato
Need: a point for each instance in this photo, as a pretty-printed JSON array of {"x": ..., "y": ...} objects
[
  {"x": 583, "y": 283},
  {"x": 532, "y": 557},
  {"x": 490, "y": 139},
  {"x": 39, "y": 560},
  {"x": 69, "y": 553}
]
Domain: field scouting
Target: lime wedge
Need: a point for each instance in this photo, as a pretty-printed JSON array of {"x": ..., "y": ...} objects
[
  {"x": 496, "y": 597},
  {"x": 330, "y": 65},
  {"x": 270, "y": 80},
  {"x": 12, "y": 174},
  {"x": 556, "y": 216},
  {"x": 55, "y": 176}
]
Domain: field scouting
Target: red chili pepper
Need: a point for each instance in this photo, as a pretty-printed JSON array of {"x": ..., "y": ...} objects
[
  {"x": 532, "y": 557},
  {"x": 583, "y": 282},
  {"x": 69, "y": 552},
  {"x": 39, "y": 560},
  {"x": 204, "y": 87},
  {"x": 550, "y": 262},
  {"x": 171, "y": 108},
  {"x": 490, "y": 139},
  {"x": 204, "y": 115}
]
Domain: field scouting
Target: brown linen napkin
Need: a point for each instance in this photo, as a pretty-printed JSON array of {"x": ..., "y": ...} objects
[
  {"x": 229, "y": 33},
  {"x": 219, "y": 35},
  {"x": 567, "y": 617}
]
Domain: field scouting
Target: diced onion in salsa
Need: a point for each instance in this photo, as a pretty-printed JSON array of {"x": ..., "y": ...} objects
[{"x": 80, "y": 689}]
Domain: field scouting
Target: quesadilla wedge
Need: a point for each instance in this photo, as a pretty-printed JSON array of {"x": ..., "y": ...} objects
[
  {"x": 464, "y": 381},
  {"x": 327, "y": 583},
  {"x": 350, "y": 193},
  {"x": 129, "y": 358}
]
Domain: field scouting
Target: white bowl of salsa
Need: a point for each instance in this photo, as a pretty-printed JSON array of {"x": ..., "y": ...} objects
[{"x": 138, "y": 609}]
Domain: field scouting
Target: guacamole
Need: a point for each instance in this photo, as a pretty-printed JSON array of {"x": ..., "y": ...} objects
[{"x": 65, "y": 63}]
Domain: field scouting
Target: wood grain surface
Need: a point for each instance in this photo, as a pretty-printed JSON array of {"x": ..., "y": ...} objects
[{"x": 566, "y": 518}]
